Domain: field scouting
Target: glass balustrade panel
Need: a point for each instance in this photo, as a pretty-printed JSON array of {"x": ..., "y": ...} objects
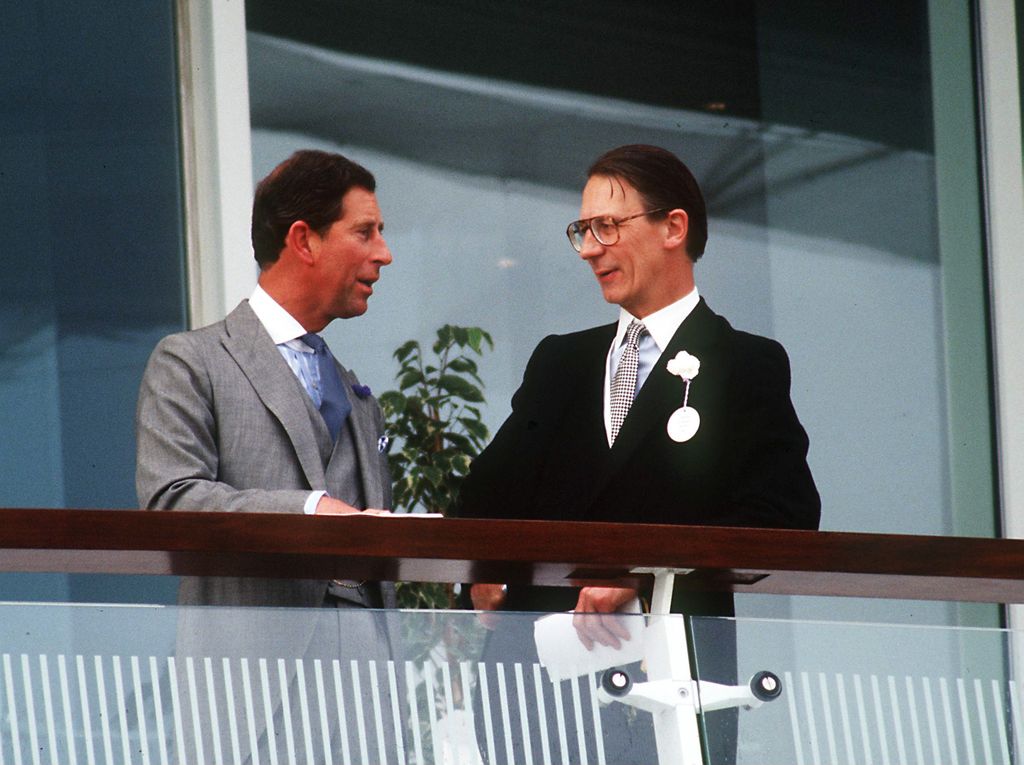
[
  {"x": 99, "y": 684},
  {"x": 835, "y": 693}
]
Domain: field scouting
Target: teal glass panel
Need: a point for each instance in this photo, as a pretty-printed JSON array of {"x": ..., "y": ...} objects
[{"x": 93, "y": 255}]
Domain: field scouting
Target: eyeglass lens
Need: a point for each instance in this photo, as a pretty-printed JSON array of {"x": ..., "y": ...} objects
[{"x": 604, "y": 229}]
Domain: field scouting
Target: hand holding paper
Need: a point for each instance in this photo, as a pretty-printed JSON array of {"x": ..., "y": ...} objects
[
  {"x": 564, "y": 655},
  {"x": 595, "y": 620}
]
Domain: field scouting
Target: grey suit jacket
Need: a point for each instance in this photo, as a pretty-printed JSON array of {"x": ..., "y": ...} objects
[{"x": 224, "y": 425}]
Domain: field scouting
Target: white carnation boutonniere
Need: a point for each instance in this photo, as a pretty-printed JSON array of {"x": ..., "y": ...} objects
[
  {"x": 684, "y": 365},
  {"x": 685, "y": 421}
]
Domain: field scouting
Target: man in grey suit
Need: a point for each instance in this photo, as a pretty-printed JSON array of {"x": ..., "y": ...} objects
[{"x": 254, "y": 415}]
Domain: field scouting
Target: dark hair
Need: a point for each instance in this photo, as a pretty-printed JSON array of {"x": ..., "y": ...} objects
[
  {"x": 308, "y": 186},
  {"x": 663, "y": 181}
]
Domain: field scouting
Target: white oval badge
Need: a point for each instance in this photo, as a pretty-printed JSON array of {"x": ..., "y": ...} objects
[{"x": 683, "y": 424}]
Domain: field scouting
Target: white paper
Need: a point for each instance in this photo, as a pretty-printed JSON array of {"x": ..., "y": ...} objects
[{"x": 564, "y": 656}]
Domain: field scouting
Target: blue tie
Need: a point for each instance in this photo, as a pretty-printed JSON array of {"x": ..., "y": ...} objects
[{"x": 334, "y": 404}]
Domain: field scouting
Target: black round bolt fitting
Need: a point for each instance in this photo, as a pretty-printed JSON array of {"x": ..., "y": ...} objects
[
  {"x": 766, "y": 686},
  {"x": 616, "y": 682}
]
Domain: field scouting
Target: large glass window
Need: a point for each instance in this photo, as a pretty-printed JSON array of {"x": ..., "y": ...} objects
[
  {"x": 93, "y": 265},
  {"x": 836, "y": 144}
]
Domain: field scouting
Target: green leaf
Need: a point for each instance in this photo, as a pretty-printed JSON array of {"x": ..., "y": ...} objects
[
  {"x": 461, "y": 388},
  {"x": 433, "y": 474},
  {"x": 463, "y": 365},
  {"x": 474, "y": 427},
  {"x": 410, "y": 378},
  {"x": 477, "y": 337},
  {"x": 392, "y": 400},
  {"x": 403, "y": 351},
  {"x": 459, "y": 440},
  {"x": 461, "y": 335}
]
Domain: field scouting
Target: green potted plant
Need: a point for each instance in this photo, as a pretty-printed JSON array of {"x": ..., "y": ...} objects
[
  {"x": 437, "y": 429},
  {"x": 436, "y": 424}
]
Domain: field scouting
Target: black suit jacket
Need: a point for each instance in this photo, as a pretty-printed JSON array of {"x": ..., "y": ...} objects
[{"x": 745, "y": 466}]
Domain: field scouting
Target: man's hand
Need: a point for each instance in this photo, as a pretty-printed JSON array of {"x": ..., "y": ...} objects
[
  {"x": 331, "y": 506},
  {"x": 595, "y": 620},
  {"x": 488, "y": 598}
]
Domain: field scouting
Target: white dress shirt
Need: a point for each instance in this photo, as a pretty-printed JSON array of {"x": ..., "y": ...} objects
[{"x": 661, "y": 326}]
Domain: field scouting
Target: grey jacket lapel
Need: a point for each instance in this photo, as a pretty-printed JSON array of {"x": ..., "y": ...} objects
[{"x": 275, "y": 385}]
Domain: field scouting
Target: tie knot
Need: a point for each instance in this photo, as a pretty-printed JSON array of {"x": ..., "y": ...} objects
[
  {"x": 635, "y": 331},
  {"x": 314, "y": 341}
]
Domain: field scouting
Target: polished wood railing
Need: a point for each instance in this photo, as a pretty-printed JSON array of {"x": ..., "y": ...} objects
[{"x": 542, "y": 552}]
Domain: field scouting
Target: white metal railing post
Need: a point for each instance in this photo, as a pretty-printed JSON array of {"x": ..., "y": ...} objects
[{"x": 668, "y": 658}]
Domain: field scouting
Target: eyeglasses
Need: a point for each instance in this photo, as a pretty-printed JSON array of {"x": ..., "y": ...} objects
[{"x": 605, "y": 228}]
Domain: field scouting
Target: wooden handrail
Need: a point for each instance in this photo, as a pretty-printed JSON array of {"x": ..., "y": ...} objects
[{"x": 542, "y": 552}]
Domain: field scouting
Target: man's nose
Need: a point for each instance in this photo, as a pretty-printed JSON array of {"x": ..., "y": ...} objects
[
  {"x": 383, "y": 254},
  {"x": 590, "y": 246}
]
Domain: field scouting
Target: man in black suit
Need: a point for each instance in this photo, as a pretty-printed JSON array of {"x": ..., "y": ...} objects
[{"x": 575, "y": 449}]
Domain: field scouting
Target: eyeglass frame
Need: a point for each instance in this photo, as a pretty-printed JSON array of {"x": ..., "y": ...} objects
[{"x": 579, "y": 224}]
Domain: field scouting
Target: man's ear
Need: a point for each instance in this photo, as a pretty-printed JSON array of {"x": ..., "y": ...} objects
[
  {"x": 300, "y": 240},
  {"x": 677, "y": 225}
]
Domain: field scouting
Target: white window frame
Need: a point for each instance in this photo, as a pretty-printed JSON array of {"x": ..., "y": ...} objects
[
  {"x": 216, "y": 155},
  {"x": 1004, "y": 191}
]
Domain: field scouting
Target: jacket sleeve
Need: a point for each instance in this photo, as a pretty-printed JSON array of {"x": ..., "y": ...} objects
[
  {"x": 500, "y": 481},
  {"x": 771, "y": 481},
  {"x": 177, "y": 458}
]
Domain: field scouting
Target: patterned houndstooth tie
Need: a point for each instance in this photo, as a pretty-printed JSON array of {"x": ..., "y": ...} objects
[{"x": 624, "y": 381}]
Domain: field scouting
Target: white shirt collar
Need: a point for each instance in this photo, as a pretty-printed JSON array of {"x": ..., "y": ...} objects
[
  {"x": 280, "y": 325},
  {"x": 663, "y": 323}
]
